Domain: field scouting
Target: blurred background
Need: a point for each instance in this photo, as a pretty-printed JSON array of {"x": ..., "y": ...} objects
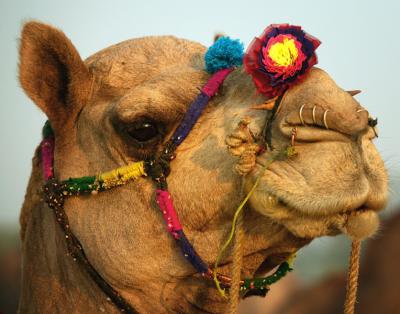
[{"x": 360, "y": 49}]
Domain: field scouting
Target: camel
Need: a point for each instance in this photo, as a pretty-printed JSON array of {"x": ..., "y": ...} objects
[{"x": 335, "y": 184}]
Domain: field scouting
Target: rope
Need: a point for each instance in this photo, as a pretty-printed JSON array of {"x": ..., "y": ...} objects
[
  {"x": 352, "y": 277},
  {"x": 237, "y": 266},
  {"x": 279, "y": 155},
  {"x": 231, "y": 234}
]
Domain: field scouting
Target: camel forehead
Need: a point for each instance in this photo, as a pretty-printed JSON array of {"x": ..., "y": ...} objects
[{"x": 134, "y": 61}]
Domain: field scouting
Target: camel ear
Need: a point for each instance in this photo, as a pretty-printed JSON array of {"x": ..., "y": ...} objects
[{"x": 52, "y": 73}]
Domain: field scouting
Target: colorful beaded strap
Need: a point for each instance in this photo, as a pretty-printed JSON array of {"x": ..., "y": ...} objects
[
  {"x": 56, "y": 192},
  {"x": 221, "y": 59}
]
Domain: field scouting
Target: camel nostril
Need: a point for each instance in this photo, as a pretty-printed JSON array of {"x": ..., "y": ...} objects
[{"x": 373, "y": 123}]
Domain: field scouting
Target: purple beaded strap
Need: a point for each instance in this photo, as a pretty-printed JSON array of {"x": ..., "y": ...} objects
[
  {"x": 198, "y": 105},
  {"x": 163, "y": 197},
  {"x": 164, "y": 201}
]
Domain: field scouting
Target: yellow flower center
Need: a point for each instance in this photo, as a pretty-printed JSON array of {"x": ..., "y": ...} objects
[{"x": 284, "y": 53}]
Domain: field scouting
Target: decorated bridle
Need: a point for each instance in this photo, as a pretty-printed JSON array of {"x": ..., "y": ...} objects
[{"x": 276, "y": 60}]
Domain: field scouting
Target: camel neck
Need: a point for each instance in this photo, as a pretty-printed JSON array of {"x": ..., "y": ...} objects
[{"x": 51, "y": 282}]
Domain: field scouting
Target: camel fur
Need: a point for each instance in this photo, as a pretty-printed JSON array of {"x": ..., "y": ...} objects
[{"x": 336, "y": 177}]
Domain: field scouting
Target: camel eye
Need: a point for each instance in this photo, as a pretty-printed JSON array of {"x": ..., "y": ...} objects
[{"x": 144, "y": 131}]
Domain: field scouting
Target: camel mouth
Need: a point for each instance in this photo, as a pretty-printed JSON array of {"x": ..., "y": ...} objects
[
  {"x": 366, "y": 207},
  {"x": 270, "y": 263},
  {"x": 282, "y": 199},
  {"x": 359, "y": 221},
  {"x": 258, "y": 263}
]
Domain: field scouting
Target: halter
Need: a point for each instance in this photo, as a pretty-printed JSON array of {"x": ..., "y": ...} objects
[
  {"x": 273, "y": 70},
  {"x": 157, "y": 169}
]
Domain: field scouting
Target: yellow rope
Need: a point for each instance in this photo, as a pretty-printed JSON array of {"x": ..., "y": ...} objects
[
  {"x": 121, "y": 175},
  {"x": 352, "y": 277},
  {"x": 236, "y": 267},
  {"x": 228, "y": 242}
]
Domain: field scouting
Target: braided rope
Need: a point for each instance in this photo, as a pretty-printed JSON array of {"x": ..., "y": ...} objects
[
  {"x": 237, "y": 266},
  {"x": 352, "y": 277}
]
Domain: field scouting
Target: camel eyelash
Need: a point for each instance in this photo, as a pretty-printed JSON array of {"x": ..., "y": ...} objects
[{"x": 142, "y": 135}]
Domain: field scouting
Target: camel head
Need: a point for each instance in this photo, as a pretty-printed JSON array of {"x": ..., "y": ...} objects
[{"x": 120, "y": 106}]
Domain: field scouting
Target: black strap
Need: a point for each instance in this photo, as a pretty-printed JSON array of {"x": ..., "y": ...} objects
[{"x": 267, "y": 132}]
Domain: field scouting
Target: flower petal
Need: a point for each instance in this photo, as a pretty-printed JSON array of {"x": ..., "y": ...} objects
[{"x": 280, "y": 57}]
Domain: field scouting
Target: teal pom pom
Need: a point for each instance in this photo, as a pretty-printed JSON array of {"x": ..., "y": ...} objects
[{"x": 224, "y": 53}]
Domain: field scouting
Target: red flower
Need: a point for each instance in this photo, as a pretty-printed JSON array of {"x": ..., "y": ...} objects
[{"x": 281, "y": 57}]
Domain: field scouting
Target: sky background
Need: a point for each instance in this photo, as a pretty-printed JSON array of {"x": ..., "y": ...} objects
[{"x": 360, "y": 50}]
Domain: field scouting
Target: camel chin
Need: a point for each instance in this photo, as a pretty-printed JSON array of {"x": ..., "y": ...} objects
[{"x": 361, "y": 224}]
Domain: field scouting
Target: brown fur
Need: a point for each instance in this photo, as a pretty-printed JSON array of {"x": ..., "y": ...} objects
[
  {"x": 121, "y": 230},
  {"x": 52, "y": 72}
]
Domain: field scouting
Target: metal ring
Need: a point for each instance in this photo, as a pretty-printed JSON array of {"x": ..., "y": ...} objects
[
  {"x": 301, "y": 114},
  {"x": 294, "y": 134},
  {"x": 313, "y": 114},
  {"x": 325, "y": 123}
]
